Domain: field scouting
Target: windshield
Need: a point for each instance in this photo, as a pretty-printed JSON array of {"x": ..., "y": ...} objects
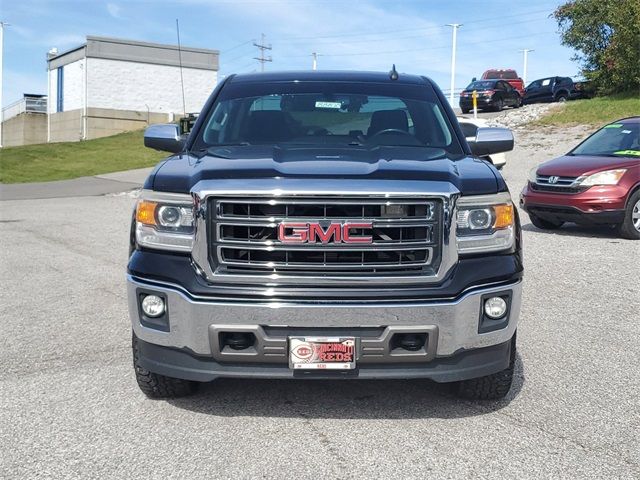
[
  {"x": 326, "y": 114},
  {"x": 615, "y": 139},
  {"x": 486, "y": 85}
]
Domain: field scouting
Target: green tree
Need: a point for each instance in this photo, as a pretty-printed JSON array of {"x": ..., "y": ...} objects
[{"x": 606, "y": 33}]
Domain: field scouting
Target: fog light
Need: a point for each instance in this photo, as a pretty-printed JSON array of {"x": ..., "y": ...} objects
[
  {"x": 495, "y": 307},
  {"x": 152, "y": 306}
]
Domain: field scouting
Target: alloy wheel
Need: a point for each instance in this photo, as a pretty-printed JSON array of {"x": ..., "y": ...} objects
[{"x": 635, "y": 215}]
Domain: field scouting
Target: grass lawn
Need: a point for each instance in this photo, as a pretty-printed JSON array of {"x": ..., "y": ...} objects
[
  {"x": 60, "y": 161},
  {"x": 595, "y": 111}
]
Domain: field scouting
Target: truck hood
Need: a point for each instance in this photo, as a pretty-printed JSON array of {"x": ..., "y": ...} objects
[
  {"x": 577, "y": 165},
  {"x": 469, "y": 175}
]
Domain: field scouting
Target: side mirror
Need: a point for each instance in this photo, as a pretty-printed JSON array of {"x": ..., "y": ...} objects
[
  {"x": 165, "y": 137},
  {"x": 492, "y": 140}
]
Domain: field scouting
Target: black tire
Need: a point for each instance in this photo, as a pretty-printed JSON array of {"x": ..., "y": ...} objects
[
  {"x": 490, "y": 387},
  {"x": 544, "y": 224},
  {"x": 519, "y": 102},
  {"x": 561, "y": 98},
  {"x": 627, "y": 229},
  {"x": 499, "y": 105},
  {"x": 154, "y": 385},
  {"x": 465, "y": 110}
]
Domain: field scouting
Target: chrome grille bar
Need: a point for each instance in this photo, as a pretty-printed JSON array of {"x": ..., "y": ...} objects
[
  {"x": 328, "y": 191},
  {"x": 404, "y": 234}
]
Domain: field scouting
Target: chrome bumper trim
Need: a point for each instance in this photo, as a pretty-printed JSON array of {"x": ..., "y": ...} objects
[{"x": 456, "y": 321}]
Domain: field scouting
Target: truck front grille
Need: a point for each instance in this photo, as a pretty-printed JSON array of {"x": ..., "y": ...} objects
[{"x": 405, "y": 235}]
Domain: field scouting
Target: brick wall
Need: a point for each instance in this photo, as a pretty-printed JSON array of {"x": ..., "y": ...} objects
[{"x": 120, "y": 85}]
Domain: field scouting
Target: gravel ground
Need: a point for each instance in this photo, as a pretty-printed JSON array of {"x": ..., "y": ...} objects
[{"x": 70, "y": 408}]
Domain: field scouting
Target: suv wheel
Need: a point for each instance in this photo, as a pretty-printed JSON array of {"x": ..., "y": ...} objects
[
  {"x": 465, "y": 110},
  {"x": 561, "y": 98},
  {"x": 154, "y": 385},
  {"x": 544, "y": 224},
  {"x": 499, "y": 105},
  {"x": 630, "y": 228},
  {"x": 490, "y": 387}
]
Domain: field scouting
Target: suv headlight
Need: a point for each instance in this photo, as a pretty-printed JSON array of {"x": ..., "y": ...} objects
[
  {"x": 608, "y": 177},
  {"x": 165, "y": 221},
  {"x": 533, "y": 175},
  {"x": 485, "y": 223}
]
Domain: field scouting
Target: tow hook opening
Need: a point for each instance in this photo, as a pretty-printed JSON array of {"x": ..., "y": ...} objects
[
  {"x": 237, "y": 340},
  {"x": 411, "y": 342}
]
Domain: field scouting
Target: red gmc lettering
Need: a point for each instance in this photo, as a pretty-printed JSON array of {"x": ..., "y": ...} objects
[
  {"x": 333, "y": 231},
  {"x": 299, "y": 235},
  {"x": 314, "y": 233},
  {"x": 348, "y": 238}
]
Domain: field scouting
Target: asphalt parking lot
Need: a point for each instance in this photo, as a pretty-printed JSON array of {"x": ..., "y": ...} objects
[{"x": 70, "y": 407}]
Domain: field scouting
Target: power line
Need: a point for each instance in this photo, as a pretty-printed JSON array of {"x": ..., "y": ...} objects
[
  {"x": 241, "y": 56},
  {"x": 224, "y": 52},
  {"x": 421, "y": 35},
  {"x": 370, "y": 52},
  {"x": 357, "y": 34},
  {"x": 263, "y": 47}
]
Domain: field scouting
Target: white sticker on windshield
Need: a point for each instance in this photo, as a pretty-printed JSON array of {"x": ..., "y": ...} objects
[
  {"x": 626, "y": 131},
  {"x": 331, "y": 105},
  {"x": 546, "y": 82}
]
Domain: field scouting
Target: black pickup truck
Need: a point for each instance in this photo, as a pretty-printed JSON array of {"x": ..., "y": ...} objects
[{"x": 323, "y": 225}]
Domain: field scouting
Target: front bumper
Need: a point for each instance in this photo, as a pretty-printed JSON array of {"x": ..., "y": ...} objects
[
  {"x": 467, "y": 364},
  {"x": 191, "y": 336},
  {"x": 483, "y": 102},
  {"x": 596, "y": 205}
]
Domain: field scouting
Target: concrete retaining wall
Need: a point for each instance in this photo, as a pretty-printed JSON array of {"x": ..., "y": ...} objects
[
  {"x": 66, "y": 126},
  {"x": 101, "y": 122},
  {"x": 24, "y": 129}
]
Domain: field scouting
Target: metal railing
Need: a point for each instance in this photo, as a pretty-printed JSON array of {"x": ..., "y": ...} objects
[{"x": 25, "y": 105}]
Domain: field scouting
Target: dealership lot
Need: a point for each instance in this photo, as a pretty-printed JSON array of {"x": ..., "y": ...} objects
[{"x": 69, "y": 405}]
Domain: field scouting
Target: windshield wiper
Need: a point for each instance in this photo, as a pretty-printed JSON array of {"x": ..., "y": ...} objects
[{"x": 238, "y": 144}]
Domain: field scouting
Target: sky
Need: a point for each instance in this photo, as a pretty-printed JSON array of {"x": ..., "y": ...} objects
[{"x": 346, "y": 34}]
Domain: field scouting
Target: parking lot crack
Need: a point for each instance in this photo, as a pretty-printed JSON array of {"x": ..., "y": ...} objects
[{"x": 617, "y": 458}]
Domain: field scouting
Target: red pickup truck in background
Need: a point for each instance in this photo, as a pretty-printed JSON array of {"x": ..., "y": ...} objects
[{"x": 506, "y": 74}]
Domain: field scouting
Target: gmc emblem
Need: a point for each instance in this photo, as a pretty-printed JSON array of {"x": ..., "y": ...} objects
[{"x": 314, "y": 233}]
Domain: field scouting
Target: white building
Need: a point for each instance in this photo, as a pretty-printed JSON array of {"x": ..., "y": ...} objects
[{"x": 109, "y": 85}]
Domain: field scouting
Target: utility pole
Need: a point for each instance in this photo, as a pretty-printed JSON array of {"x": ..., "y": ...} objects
[
  {"x": 2, "y": 25},
  {"x": 262, "y": 47},
  {"x": 455, "y": 27},
  {"x": 315, "y": 61},
  {"x": 524, "y": 72}
]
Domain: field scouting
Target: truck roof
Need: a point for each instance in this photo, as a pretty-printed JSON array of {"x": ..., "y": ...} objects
[{"x": 329, "y": 76}]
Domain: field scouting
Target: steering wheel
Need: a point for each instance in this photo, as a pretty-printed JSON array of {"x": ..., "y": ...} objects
[{"x": 387, "y": 131}]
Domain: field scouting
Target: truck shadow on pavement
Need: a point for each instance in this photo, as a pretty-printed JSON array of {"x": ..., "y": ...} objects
[
  {"x": 340, "y": 399},
  {"x": 574, "y": 230}
]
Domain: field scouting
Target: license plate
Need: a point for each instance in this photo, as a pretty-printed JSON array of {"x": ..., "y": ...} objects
[{"x": 322, "y": 353}]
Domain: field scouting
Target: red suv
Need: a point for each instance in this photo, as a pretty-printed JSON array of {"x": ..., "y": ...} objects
[
  {"x": 598, "y": 182},
  {"x": 507, "y": 74}
]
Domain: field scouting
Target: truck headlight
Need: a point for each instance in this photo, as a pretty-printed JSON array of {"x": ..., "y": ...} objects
[
  {"x": 485, "y": 223},
  {"x": 608, "y": 177},
  {"x": 165, "y": 221}
]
